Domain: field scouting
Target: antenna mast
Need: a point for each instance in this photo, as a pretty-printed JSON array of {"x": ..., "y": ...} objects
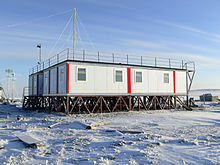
[{"x": 74, "y": 33}]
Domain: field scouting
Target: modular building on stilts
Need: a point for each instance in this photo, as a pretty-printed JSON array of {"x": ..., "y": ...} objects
[{"x": 82, "y": 81}]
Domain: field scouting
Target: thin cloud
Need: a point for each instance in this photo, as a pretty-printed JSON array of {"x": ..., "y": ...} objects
[
  {"x": 144, "y": 44},
  {"x": 202, "y": 62},
  {"x": 188, "y": 28},
  {"x": 172, "y": 49}
]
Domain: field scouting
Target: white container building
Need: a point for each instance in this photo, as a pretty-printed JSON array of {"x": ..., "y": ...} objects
[{"x": 78, "y": 74}]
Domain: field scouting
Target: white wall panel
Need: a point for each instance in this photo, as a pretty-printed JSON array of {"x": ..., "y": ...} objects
[
  {"x": 35, "y": 85},
  {"x": 139, "y": 87},
  {"x": 180, "y": 82},
  {"x": 152, "y": 80},
  {"x": 99, "y": 79},
  {"x": 163, "y": 87},
  {"x": 62, "y": 79},
  {"x": 46, "y": 82},
  {"x": 40, "y": 84},
  {"x": 30, "y": 85},
  {"x": 53, "y": 81}
]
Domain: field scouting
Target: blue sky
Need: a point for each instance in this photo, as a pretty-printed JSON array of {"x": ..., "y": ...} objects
[{"x": 169, "y": 28}]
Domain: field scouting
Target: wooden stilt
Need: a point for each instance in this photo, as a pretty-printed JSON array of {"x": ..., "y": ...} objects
[
  {"x": 67, "y": 105},
  {"x": 101, "y": 104}
]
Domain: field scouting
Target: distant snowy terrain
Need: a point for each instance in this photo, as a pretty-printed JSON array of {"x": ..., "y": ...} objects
[
  {"x": 152, "y": 137},
  {"x": 196, "y": 93}
]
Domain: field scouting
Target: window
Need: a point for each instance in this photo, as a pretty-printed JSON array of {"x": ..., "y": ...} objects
[
  {"x": 81, "y": 74},
  {"x": 166, "y": 78},
  {"x": 118, "y": 76},
  {"x": 139, "y": 77}
]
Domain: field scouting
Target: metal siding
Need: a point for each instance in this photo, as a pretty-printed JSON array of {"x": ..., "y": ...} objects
[
  {"x": 62, "y": 79},
  {"x": 152, "y": 81},
  {"x": 53, "y": 81},
  {"x": 35, "y": 85},
  {"x": 138, "y": 87},
  {"x": 40, "y": 84},
  {"x": 99, "y": 79},
  {"x": 30, "y": 85},
  {"x": 180, "y": 82},
  {"x": 46, "y": 82},
  {"x": 161, "y": 86}
]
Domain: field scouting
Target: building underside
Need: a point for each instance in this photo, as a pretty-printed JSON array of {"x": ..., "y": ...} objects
[{"x": 103, "y": 104}]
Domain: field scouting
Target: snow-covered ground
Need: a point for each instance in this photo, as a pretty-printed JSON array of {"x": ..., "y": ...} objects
[{"x": 153, "y": 137}]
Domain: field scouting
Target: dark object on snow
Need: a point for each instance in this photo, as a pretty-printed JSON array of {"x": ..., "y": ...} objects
[
  {"x": 192, "y": 103},
  {"x": 97, "y": 125},
  {"x": 51, "y": 126},
  {"x": 19, "y": 118},
  {"x": 208, "y": 97},
  {"x": 132, "y": 132}
]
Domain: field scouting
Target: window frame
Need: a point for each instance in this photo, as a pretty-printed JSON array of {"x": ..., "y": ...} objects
[
  {"x": 136, "y": 76},
  {"x": 166, "y": 76},
  {"x": 84, "y": 74},
  {"x": 116, "y": 76}
]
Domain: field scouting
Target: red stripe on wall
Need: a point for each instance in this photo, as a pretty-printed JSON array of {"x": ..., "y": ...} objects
[
  {"x": 129, "y": 80},
  {"x": 67, "y": 78},
  {"x": 174, "y": 81}
]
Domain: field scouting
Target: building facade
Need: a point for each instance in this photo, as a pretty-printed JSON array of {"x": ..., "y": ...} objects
[{"x": 89, "y": 80}]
